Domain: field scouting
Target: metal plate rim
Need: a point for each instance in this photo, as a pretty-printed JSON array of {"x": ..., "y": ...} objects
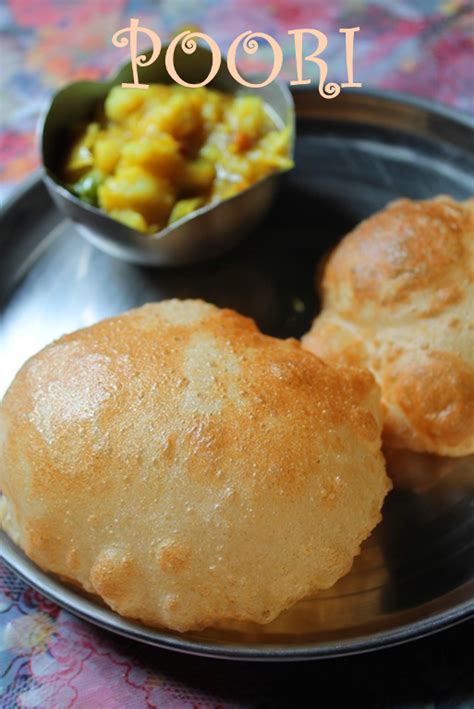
[
  {"x": 107, "y": 619},
  {"x": 429, "y": 105}
]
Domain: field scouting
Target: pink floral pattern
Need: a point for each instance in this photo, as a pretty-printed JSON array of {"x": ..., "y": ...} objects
[
  {"x": 420, "y": 47},
  {"x": 49, "y": 659}
]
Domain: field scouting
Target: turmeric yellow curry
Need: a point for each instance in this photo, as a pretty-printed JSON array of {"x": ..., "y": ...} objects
[{"x": 152, "y": 157}]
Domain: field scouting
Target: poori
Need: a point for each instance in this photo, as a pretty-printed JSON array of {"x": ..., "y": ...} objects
[
  {"x": 187, "y": 468},
  {"x": 398, "y": 298}
]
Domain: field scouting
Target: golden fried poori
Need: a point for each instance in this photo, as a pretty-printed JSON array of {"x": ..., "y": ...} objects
[
  {"x": 189, "y": 469},
  {"x": 398, "y": 297}
]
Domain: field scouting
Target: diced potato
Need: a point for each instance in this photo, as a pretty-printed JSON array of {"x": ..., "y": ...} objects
[
  {"x": 130, "y": 218},
  {"x": 198, "y": 176},
  {"x": 211, "y": 152},
  {"x": 181, "y": 116},
  {"x": 247, "y": 115},
  {"x": 121, "y": 102},
  {"x": 134, "y": 188},
  {"x": 81, "y": 156},
  {"x": 184, "y": 207},
  {"x": 158, "y": 155},
  {"x": 107, "y": 154},
  {"x": 156, "y": 94},
  {"x": 275, "y": 146}
]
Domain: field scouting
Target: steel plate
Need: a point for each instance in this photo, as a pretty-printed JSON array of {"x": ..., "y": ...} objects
[{"x": 415, "y": 574}]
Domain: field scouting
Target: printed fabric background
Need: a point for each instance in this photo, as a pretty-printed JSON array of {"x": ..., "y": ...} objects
[
  {"x": 48, "y": 658},
  {"x": 420, "y": 46}
]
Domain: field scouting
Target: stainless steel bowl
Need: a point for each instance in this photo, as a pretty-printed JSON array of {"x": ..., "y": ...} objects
[{"x": 203, "y": 234}]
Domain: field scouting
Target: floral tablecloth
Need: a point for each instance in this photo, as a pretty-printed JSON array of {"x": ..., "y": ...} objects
[
  {"x": 47, "y": 657},
  {"x": 420, "y": 46}
]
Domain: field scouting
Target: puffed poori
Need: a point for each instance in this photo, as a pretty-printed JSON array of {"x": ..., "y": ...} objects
[
  {"x": 398, "y": 297},
  {"x": 187, "y": 468}
]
